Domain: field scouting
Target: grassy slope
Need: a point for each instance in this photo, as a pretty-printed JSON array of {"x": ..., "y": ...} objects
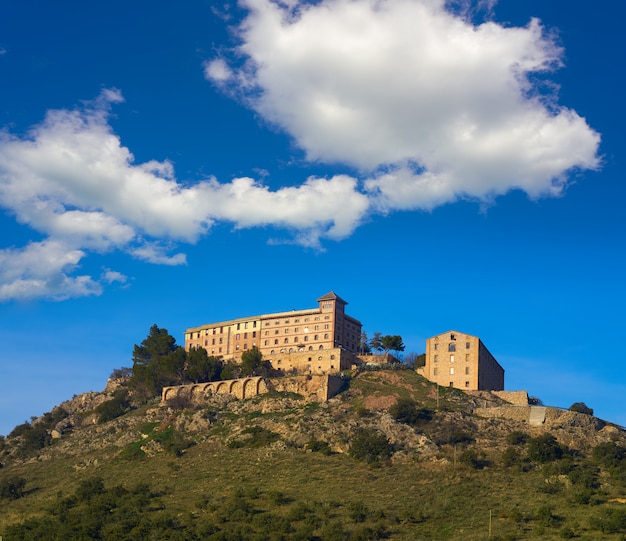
[{"x": 420, "y": 497}]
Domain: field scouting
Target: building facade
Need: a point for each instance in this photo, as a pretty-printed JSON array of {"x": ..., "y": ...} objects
[
  {"x": 277, "y": 335},
  {"x": 454, "y": 359}
]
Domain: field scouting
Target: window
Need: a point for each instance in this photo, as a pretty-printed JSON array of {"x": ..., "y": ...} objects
[
  {"x": 245, "y": 346},
  {"x": 321, "y": 346},
  {"x": 286, "y": 330},
  {"x": 253, "y": 334},
  {"x": 286, "y": 340},
  {"x": 467, "y": 356},
  {"x": 306, "y": 338},
  {"x": 238, "y": 326},
  {"x": 326, "y": 336},
  {"x": 316, "y": 328},
  {"x": 237, "y": 337},
  {"x": 245, "y": 326},
  {"x": 453, "y": 337},
  {"x": 266, "y": 333},
  {"x": 436, "y": 347},
  {"x": 451, "y": 347},
  {"x": 452, "y": 370},
  {"x": 212, "y": 341},
  {"x": 276, "y": 331},
  {"x": 451, "y": 358},
  {"x": 467, "y": 383},
  {"x": 326, "y": 326},
  {"x": 436, "y": 371},
  {"x": 254, "y": 324},
  {"x": 237, "y": 346},
  {"x": 267, "y": 343},
  {"x": 436, "y": 359},
  {"x": 295, "y": 339},
  {"x": 452, "y": 384},
  {"x": 466, "y": 370},
  {"x": 316, "y": 337},
  {"x": 467, "y": 345},
  {"x": 220, "y": 340},
  {"x": 276, "y": 342},
  {"x": 245, "y": 335}
]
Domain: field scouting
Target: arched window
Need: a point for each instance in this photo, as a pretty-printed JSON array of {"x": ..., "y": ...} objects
[{"x": 321, "y": 346}]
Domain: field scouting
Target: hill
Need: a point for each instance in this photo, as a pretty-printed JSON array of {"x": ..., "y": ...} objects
[{"x": 390, "y": 457}]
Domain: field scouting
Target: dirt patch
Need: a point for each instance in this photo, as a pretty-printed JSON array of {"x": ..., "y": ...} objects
[{"x": 377, "y": 403}]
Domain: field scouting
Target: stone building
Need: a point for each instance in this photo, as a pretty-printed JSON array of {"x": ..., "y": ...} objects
[
  {"x": 454, "y": 359},
  {"x": 299, "y": 340}
]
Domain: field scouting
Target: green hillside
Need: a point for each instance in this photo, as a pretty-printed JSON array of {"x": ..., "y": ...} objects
[{"x": 388, "y": 458}]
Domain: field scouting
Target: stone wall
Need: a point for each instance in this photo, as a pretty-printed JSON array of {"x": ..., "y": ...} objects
[
  {"x": 311, "y": 387},
  {"x": 519, "y": 398}
]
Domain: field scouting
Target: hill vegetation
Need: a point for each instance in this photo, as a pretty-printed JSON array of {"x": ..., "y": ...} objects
[{"x": 388, "y": 458}]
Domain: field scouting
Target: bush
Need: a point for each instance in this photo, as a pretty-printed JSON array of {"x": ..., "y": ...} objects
[
  {"x": 370, "y": 445},
  {"x": 259, "y": 437},
  {"x": 581, "y": 407},
  {"x": 517, "y": 438},
  {"x": 12, "y": 488},
  {"x": 609, "y": 520},
  {"x": 544, "y": 449},
  {"x": 318, "y": 446},
  {"x": 114, "y": 408},
  {"x": 472, "y": 459},
  {"x": 406, "y": 411},
  {"x": 609, "y": 455}
]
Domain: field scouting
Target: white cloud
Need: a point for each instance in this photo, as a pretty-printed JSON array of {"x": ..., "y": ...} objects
[
  {"x": 73, "y": 181},
  {"x": 41, "y": 270},
  {"x": 110, "y": 276},
  {"x": 444, "y": 107}
]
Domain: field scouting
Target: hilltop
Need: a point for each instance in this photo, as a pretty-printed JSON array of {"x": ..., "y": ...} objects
[{"x": 389, "y": 457}]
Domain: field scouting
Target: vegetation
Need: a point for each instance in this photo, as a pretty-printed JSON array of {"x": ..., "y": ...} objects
[
  {"x": 581, "y": 407},
  {"x": 380, "y": 461}
]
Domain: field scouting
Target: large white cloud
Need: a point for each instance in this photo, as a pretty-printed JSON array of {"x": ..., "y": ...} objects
[
  {"x": 427, "y": 106},
  {"x": 72, "y": 180},
  {"x": 444, "y": 107}
]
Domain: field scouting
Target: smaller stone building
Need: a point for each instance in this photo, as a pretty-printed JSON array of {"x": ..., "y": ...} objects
[{"x": 455, "y": 359}]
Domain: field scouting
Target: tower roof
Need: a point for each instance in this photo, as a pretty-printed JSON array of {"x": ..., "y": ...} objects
[{"x": 331, "y": 296}]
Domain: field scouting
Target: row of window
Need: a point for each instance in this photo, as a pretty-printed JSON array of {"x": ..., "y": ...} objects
[
  {"x": 452, "y": 347},
  {"x": 297, "y": 329},
  {"x": 436, "y": 371},
  {"x": 295, "y": 339},
  {"x": 292, "y": 350},
  {"x": 436, "y": 358}
]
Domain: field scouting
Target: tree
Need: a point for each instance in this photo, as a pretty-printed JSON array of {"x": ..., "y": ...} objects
[
  {"x": 252, "y": 362},
  {"x": 391, "y": 343},
  {"x": 157, "y": 363},
  {"x": 364, "y": 347},
  {"x": 200, "y": 367},
  {"x": 375, "y": 342}
]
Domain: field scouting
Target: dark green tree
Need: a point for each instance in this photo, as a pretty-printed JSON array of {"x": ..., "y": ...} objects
[
  {"x": 364, "y": 346},
  {"x": 157, "y": 362},
  {"x": 201, "y": 367},
  {"x": 391, "y": 343},
  {"x": 252, "y": 363}
]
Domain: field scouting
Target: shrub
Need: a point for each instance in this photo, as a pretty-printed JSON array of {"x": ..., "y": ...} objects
[
  {"x": 114, "y": 408},
  {"x": 472, "y": 459},
  {"x": 406, "y": 411},
  {"x": 259, "y": 437},
  {"x": 609, "y": 455},
  {"x": 581, "y": 407},
  {"x": 516, "y": 438},
  {"x": 318, "y": 446},
  {"x": 12, "y": 488},
  {"x": 370, "y": 445},
  {"x": 609, "y": 520},
  {"x": 544, "y": 449}
]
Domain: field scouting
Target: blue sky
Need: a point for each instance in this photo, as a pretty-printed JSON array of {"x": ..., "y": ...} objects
[{"x": 439, "y": 166}]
